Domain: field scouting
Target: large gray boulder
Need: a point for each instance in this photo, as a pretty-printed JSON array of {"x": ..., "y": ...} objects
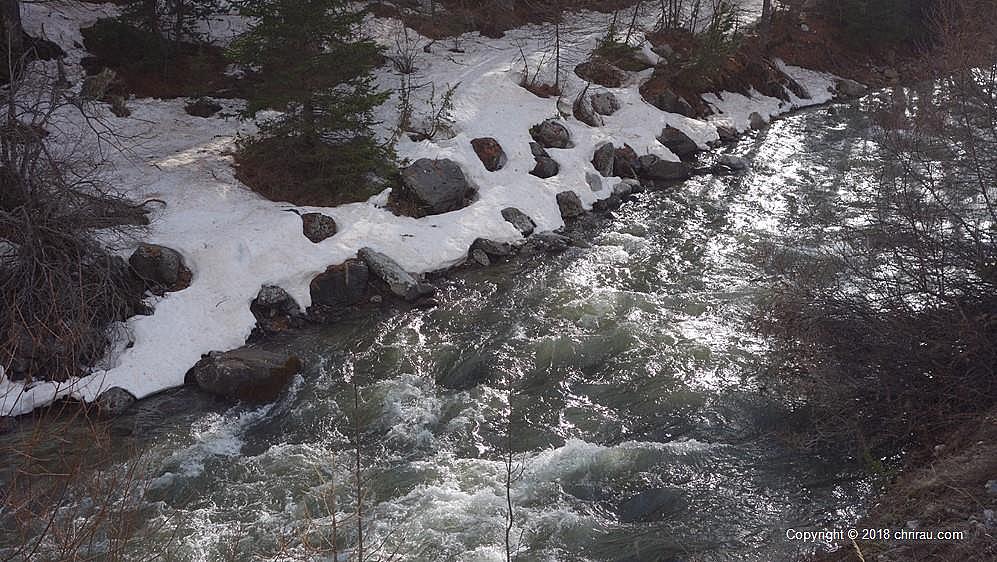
[
  {"x": 340, "y": 285},
  {"x": 570, "y": 205},
  {"x": 399, "y": 281},
  {"x": 678, "y": 142},
  {"x": 656, "y": 169},
  {"x": 247, "y": 375},
  {"x": 162, "y": 269},
  {"x": 438, "y": 186},
  {"x": 275, "y": 310},
  {"x": 551, "y": 134},
  {"x": 523, "y": 223},
  {"x": 603, "y": 159},
  {"x": 317, "y": 227}
]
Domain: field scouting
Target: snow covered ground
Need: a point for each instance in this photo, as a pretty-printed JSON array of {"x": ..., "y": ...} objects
[{"x": 235, "y": 241}]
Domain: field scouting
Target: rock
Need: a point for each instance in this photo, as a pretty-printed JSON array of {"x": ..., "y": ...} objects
[
  {"x": 652, "y": 505},
  {"x": 340, "y": 285},
  {"x": 115, "y": 401},
  {"x": 538, "y": 151},
  {"x": 733, "y": 163},
  {"x": 727, "y": 133},
  {"x": 162, "y": 269},
  {"x": 756, "y": 120},
  {"x": 317, "y": 227},
  {"x": 480, "y": 257},
  {"x": 401, "y": 282},
  {"x": 608, "y": 204},
  {"x": 523, "y": 223},
  {"x": 119, "y": 107},
  {"x": 850, "y": 88},
  {"x": 656, "y": 169},
  {"x": 603, "y": 159},
  {"x": 626, "y": 188},
  {"x": 491, "y": 247},
  {"x": 605, "y": 103},
  {"x": 439, "y": 186},
  {"x": 202, "y": 107},
  {"x": 275, "y": 310},
  {"x": 548, "y": 242},
  {"x": 570, "y": 205},
  {"x": 582, "y": 110},
  {"x": 546, "y": 167},
  {"x": 626, "y": 164},
  {"x": 678, "y": 142},
  {"x": 594, "y": 181},
  {"x": 551, "y": 134},
  {"x": 247, "y": 374},
  {"x": 670, "y": 102},
  {"x": 490, "y": 153},
  {"x": 599, "y": 71}
]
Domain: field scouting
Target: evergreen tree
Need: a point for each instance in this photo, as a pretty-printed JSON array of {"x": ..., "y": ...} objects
[
  {"x": 174, "y": 20},
  {"x": 312, "y": 64}
]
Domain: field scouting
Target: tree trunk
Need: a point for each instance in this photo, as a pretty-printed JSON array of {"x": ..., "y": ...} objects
[
  {"x": 765, "y": 24},
  {"x": 13, "y": 31}
]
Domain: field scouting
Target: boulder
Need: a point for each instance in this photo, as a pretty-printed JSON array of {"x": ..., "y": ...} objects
[
  {"x": 850, "y": 88},
  {"x": 599, "y": 71},
  {"x": 317, "y": 227},
  {"x": 547, "y": 242},
  {"x": 399, "y": 281},
  {"x": 275, "y": 310},
  {"x": 672, "y": 103},
  {"x": 594, "y": 181},
  {"x": 756, "y": 120},
  {"x": 492, "y": 248},
  {"x": 603, "y": 159},
  {"x": 115, "y": 401},
  {"x": 652, "y": 505},
  {"x": 162, "y": 269},
  {"x": 605, "y": 103},
  {"x": 438, "y": 186},
  {"x": 626, "y": 164},
  {"x": 583, "y": 111},
  {"x": 247, "y": 374},
  {"x": 626, "y": 188},
  {"x": 538, "y": 151},
  {"x": 551, "y": 134},
  {"x": 340, "y": 285},
  {"x": 480, "y": 257},
  {"x": 490, "y": 153},
  {"x": 678, "y": 142},
  {"x": 570, "y": 205},
  {"x": 523, "y": 223},
  {"x": 202, "y": 107},
  {"x": 656, "y": 169},
  {"x": 546, "y": 167},
  {"x": 732, "y": 163},
  {"x": 608, "y": 204},
  {"x": 727, "y": 133}
]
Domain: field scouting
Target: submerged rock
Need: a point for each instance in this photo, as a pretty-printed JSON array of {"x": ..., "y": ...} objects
[
  {"x": 490, "y": 153},
  {"x": 247, "y": 375},
  {"x": 523, "y": 223},
  {"x": 678, "y": 142},
  {"x": 317, "y": 227},
  {"x": 340, "y": 285},
  {"x": 730, "y": 163},
  {"x": 399, "y": 281},
  {"x": 162, "y": 269},
  {"x": 551, "y": 134},
  {"x": 438, "y": 186},
  {"x": 652, "y": 505}
]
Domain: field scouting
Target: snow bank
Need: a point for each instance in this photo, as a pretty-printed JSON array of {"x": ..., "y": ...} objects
[{"x": 234, "y": 241}]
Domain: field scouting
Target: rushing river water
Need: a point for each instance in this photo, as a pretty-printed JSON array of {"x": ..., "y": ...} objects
[{"x": 622, "y": 376}]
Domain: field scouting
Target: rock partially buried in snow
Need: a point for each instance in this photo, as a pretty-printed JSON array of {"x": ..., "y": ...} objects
[
  {"x": 438, "y": 186},
  {"x": 570, "y": 205},
  {"x": 594, "y": 181},
  {"x": 678, "y": 142},
  {"x": 520, "y": 220},
  {"x": 551, "y": 134},
  {"x": 727, "y": 133},
  {"x": 603, "y": 159},
  {"x": 652, "y": 505},
  {"x": 340, "y": 285},
  {"x": 317, "y": 227},
  {"x": 850, "y": 88},
  {"x": 115, "y": 401},
  {"x": 583, "y": 111},
  {"x": 626, "y": 164},
  {"x": 275, "y": 310},
  {"x": 756, "y": 120},
  {"x": 546, "y": 167},
  {"x": 490, "y": 153},
  {"x": 162, "y": 269},
  {"x": 202, "y": 107},
  {"x": 656, "y": 169},
  {"x": 670, "y": 102},
  {"x": 247, "y": 375},
  {"x": 492, "y": 248},
  {"x": 399, "y": 281},
  {"x": 605, "y": 103}
]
